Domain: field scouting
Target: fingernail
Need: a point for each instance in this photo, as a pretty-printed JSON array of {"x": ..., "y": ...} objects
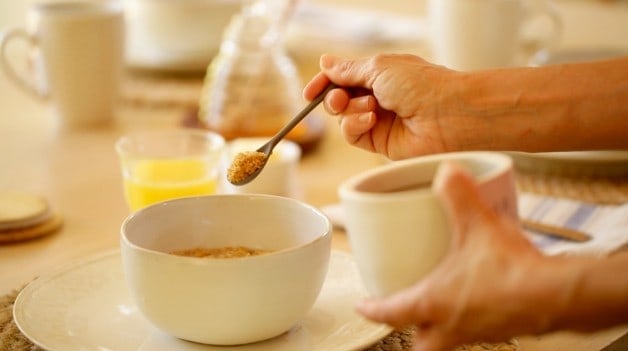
[
  {"x": 327, "y": 61},
  {"x": 331, "y": 109},
  {"x": 363, "y": 102},
  {"x": 365, "y": 118}
]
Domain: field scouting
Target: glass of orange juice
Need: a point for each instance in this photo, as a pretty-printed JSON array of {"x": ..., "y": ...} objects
[{"x": 158, "y": 165}]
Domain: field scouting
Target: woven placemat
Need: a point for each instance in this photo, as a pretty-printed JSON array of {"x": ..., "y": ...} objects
[
  {"x": 401, "y": 340},
  {"x": 600, "y": 190},
  {"x": 11, "y": 339}
]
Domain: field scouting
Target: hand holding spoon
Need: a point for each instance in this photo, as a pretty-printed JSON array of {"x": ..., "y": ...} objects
[{"x": 247, "y": 165}]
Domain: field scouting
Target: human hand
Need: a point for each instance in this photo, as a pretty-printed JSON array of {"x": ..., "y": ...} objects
[
  {"x": 391, "y": 104},
  {"x": 492, "y": 285},
  {"x": 403, "y": 106}
]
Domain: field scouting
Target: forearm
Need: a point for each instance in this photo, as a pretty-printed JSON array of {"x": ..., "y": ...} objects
[
  {"x": 592, "y": 293},
  {"x": 600, "y": 299},
  {"x": 553, "y": 108}
]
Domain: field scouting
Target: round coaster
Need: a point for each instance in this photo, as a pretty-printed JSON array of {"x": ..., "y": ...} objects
[
  {"x": 49, "y": 226},
  {"x": 19, "y": 210}
]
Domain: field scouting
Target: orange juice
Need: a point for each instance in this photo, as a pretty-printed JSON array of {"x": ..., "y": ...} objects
[{"x": 152, "y": 181}]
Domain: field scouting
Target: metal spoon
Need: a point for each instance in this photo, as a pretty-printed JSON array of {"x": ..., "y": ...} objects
[{"x": 267, "y": 148}]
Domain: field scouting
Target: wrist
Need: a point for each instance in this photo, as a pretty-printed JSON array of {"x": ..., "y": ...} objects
[
  {"x": 548, "y": 284},
  {"x": 552, "y": 108},
  {"x": 508, "y": 112},
  {"x": 583, "y": 293},
  {"x": 599, "y": 297}
]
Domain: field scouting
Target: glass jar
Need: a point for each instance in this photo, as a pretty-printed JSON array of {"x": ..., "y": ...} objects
[{"x": 252, "y": 88}]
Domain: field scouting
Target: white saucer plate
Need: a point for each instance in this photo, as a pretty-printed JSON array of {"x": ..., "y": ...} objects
[{"x": 87, "y": 306}]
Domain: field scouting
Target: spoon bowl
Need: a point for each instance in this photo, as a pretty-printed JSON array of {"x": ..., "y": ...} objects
[{"x": 267, "y": 148}]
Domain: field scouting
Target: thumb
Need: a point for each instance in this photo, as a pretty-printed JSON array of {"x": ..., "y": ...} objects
[
  {"x": 406, "y": 307},
  {"x": 459, "y": 195}
]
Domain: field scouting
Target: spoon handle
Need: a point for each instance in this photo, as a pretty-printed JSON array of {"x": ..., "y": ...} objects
[{"x": 294, "y": 121}]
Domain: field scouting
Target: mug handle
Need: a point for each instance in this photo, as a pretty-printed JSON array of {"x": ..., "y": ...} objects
[
  {"x": 534, "y": 44},
  {"x": 20, "y": 80}
]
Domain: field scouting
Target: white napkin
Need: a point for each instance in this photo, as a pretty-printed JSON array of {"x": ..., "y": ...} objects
[{"x": 606, "y": 224}]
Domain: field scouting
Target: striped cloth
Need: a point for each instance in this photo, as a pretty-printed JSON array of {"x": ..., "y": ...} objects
[{"x": 606, "y": 224}]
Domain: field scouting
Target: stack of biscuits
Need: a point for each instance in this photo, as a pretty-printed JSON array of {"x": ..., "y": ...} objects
[{"x": 25, "y": 216}]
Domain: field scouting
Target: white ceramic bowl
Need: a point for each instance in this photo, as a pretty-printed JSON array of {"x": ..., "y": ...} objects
[{"x": 226, "y": 301}]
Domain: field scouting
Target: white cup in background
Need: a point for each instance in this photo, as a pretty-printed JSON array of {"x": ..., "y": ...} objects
[
  {"x": 76, "y": 59},
  {"x": 397, "y": 228},
  {"x": 479, "y": 34},
  {"x": 279, "y": 176},
  {"x": 176, "y": 35}
]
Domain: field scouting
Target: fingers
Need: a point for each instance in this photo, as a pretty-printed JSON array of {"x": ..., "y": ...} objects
[
  {"x": 468, "y": 212},
  {"x": 399, "y": 310},
  {"x": 404, "y": 309},
  {"x": 315, "y": 86},
  {"x": 349, "y": 72},
  {"x": 455, "y": 187},
  {"x": 339, "y": 102},
  {"x": 354, "y": 126},
  {"x": 336, "y": 101},
  {"x": 459, "y": 195}
]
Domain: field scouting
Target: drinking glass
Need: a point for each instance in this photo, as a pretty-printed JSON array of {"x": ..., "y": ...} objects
[{"x": 160, "y": 165}]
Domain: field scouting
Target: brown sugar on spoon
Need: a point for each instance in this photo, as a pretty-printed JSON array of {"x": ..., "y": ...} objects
[{"x": 244, "y": 164}]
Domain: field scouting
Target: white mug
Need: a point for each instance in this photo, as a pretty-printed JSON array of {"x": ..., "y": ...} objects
[
  {"x": 397, "y": 228},
  {"x": 480, "y": 34},
  {"x": 77, "y": 59}
]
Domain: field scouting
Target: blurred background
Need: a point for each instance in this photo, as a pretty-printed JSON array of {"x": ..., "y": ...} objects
[
  {"x": 356, "y": 26},
  {"x": 170, "y": 43}
]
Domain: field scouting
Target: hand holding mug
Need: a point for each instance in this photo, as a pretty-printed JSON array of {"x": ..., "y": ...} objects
[{"x": 481, "y": 290}]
